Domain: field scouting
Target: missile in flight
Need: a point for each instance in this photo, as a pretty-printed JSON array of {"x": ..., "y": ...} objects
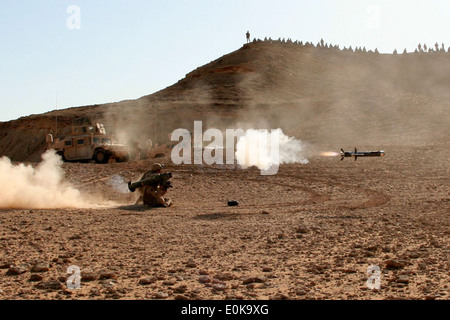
[{"x": 356, "y": 154}]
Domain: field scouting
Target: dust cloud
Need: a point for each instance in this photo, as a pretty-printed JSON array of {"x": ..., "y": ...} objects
[{"x": 41, "y": 187}]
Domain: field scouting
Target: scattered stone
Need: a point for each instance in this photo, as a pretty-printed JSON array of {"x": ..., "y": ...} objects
[
  {"x": 348, "y": 270},
  {"x": 57, "y": 260},
  {"x": 265, "y": 212},
  {"x": 260, "y": 286},
  {"x": 224, "y": 276},
  {"x": 181, "y": 297},
  {"x": 279, "y": 296},
  {"x": 107, "y": 275},
  {"x": 133, "y": 275},
  {"x": 233, "y": 203},
  {"x": 88, "y": 277},
  {"x": 95, "y": 293},
  {"x": 108, "y": 284},
  {"x": 414, "y": 255},
  {"x": 191, "y": 264},
  {"x": 75, "y": 237},
  {"x": 230, "y": 297},
  {"x": 395, "y": 264},
  {"x": 402, "y": 279},
  {"x": 203, "y": 272},
  {"x": 301, "y": 230},
  {"x": 317, "y": 269},
  {"x": 7, "y": 264},
  {"x": 271, "y": 275},
  {"x": 17, "y": 270},
  {"x": 147, "y": 281},
  {"x": 250, "y": 286},
  {"x": 249, "y": 280},
  {"x": 169, "y": 283},
  {"x": 435, "y": 243},
  {"x": 219, "y": 286},
  {"x": 267, "y": 269},
  {"x": 160, "y": 295},
  {"x": 180, "y": 289},
  {"x": 50, "y": 285},
  {"x": 115, "y": 295},
  {"x": 205, "y": 279},
  {"x": 372, "y": 248},
  {"x": 260, "y": 280},
  {"x": 300, "y": 292},
  {"x": 40, "y": 267},
  {"x": 36, "y": 277}
]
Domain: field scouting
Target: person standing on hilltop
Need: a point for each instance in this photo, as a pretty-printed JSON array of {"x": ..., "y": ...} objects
[{"x": 248, "y": 36}]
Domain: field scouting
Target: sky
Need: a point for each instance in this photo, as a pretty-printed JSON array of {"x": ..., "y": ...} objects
[{"x": 57, "y": 54}]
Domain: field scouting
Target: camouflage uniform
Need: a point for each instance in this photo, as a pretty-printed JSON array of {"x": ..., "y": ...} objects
[{"x": 152, "y": 196}]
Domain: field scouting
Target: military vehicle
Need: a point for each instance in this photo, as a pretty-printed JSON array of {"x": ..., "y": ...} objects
[{"x": 88, "y": 142}]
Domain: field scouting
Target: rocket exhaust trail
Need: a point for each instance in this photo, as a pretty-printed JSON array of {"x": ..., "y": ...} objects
[{"x": 328, "y": 154}]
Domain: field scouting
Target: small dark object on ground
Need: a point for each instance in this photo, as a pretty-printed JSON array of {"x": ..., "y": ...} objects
[{"x": 233, "y": 203}]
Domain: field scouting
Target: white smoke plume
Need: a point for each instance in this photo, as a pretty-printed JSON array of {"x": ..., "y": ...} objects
[
  {"x": 267, "y": 150},
  {"x": 41, "y": 187},
  {"x": 119, "y": 184}
]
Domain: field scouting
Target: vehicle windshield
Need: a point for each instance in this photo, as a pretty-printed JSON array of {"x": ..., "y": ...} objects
[{"x": 102, "y": 140}]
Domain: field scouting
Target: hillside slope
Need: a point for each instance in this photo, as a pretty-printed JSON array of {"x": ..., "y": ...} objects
[{"x": 322, "y": 95}]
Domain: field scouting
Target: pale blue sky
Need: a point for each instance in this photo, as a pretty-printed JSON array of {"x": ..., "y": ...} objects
[{"x": 126, "y": 49}]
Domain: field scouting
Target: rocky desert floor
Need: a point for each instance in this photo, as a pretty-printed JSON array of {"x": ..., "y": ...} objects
[{"x": 309, "y": 232}]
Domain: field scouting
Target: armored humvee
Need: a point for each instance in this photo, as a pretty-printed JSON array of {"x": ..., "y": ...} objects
[{"x": 88, "y": 142}]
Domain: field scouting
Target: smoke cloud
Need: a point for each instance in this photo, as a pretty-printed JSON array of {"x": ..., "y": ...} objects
[
  {"x": 41, "y": 187},
  {"x": 266, "y": 150},
  {"x": 119, "y": 184}
]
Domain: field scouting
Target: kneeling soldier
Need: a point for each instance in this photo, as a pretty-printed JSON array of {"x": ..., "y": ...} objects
[{"x": 152, "y": 195}]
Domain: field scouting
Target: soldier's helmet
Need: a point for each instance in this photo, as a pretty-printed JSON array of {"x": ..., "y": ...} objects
[{"x": 157, "y": 167}]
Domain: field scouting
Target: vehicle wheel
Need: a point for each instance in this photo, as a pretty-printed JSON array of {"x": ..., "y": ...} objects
[
  {"x": 61, "y": 154},
  {"x": 123, "y": 159},
  {"x": 101, "y": 156}
]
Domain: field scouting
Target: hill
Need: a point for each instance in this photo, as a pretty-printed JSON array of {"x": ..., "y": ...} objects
[{"x": 321, "y": 94}]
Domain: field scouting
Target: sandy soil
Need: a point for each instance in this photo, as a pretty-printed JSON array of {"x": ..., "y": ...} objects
[{"x": 309, "y": 232}]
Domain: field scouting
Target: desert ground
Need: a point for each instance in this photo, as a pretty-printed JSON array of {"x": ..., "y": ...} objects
[{"x": 309, "y": 232}]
